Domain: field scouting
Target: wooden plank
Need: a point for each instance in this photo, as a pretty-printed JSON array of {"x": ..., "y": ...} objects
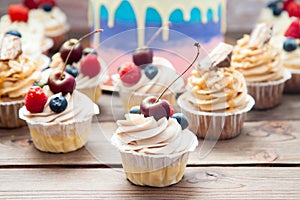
[
  {"x": 289, "y": 109},
  {"x": 197, "y": 183},
  {"x": 268, "y": 142}
]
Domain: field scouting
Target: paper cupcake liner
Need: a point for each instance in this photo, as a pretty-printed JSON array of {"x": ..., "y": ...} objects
[
  {"x": 93, "y": 93},
  {"x": 60, "y": 137},
  {"x": 268, "y": 94},
  {"x": 9, "y": 117},
  {"x": 292, "y": 86},
  {"x": 212, "y": 125},
  {"x": 130, "y": 99}
]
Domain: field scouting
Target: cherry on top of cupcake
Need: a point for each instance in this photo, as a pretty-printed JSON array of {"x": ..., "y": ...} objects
[{"x": 18, "y": 13}]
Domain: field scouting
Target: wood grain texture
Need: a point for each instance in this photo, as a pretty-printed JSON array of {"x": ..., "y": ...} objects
[
  {"x": 197, "y": 183},
  {"x": 265, "y": 142}
]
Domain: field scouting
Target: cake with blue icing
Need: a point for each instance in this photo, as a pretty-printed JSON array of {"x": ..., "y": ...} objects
[{"x": 129, "y": 24}]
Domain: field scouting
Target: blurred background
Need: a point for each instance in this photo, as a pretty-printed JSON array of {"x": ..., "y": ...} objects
[{"x": 241, "y": 14}]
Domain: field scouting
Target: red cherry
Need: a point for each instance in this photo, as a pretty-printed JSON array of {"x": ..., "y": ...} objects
[
  {"x": 31, "y": 4},
  {"x": 64, "y": 84},
  {"x": 149, "y": 107},
  {"x": 142, "y": 56},
  {"x": 41, "y": 2},
  {"x": 129, "y": 73},
  {"x": 35, "y": 99},
  {"x": 294, "y": 29},
  {"x": 76, "y": 54},
  {"x": 90, "y": 65},
  {"x": 18, "y": 12}
]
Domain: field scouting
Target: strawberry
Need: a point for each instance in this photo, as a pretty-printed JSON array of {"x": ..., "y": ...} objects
[
  {"x": 31, "y": 4},
  {"x": 35, "y": 99},
  {"x": 18, "y": 12},
  {"x": 294, "y": 29},
  {"x": 293, "y": 9},
  {"x": 90, "y": 65},
  {"x": 130, "y": 73},
  {"x": 41, "y": 2}
]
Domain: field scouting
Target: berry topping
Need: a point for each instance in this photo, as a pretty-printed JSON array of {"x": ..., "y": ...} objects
[
  {"x": 286, "y": 3},
  {"x": 15, "y": 33},
  {"x": 181, "y": 119},
  {"x": 142, "y": 56},
  {"x": 35, "y": 99},
  {"x": 90, "y": 66},
  {"x": 135, "y": 110},
  {"x": 171, "y": 109},
  {"x": 18, "y": 12},
  {"x": 290, "y": 44},
  {"x": 61, "y": 83},
  {"x": 89, "y": 50},
  {"x": 294, "y": 29},
  {"x": 293, "y": 8},
  {"x": 31, "y": 4},
  {"x": 158, "y": 109},
  {"x": 277, "y": 11},
  {"x": 76, "y": 53},
  {"x": 42, "y": 2},
  {"x": 47, "y": 7},
  {"x": 129, "y": 73},
  {"x": 40, "y": 83},
  {"x": 151, "y": 71},
  {"x": 58, "y": 104},
  {"x": 72, "y": 70}
]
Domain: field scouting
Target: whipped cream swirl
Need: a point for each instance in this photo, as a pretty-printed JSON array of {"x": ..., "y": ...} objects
[{"x": 145, "y": 135}]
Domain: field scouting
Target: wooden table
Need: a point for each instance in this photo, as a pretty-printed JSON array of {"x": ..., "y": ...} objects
[{"x": 262, "y": 163}]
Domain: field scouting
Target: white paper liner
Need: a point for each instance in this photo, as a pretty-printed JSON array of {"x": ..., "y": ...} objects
[
  {"x": 293, "y": 85},
  {"x": 268, "y": 94},
  {"x": 214, "y": 125},
  {"x": 9, "y": 117}
]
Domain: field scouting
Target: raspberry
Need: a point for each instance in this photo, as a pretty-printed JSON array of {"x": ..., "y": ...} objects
[
  {"x": 293, "y": 9},
  {"x": 18, "y": 12},
  {"x": 286, "y": 3},
  {"x": 171, "y": 109},
  {"x": 130, "y": 74},
  {"x": 31, "y": 4},
  {"x": 41, "y": 2},
  {"x": 35, "y": 99},
  {"x": 90, "y": 65},
  {"x": 294, "y": 29}
]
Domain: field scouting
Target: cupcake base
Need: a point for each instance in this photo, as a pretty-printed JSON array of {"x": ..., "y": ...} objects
[
  {"x": 268, "y": 94},
  {"x": 212, "y": 125},
  {"x": 9, "y": 117},
  {"x": 59, "y": 137},
  {"x": 292, "y": 86}
]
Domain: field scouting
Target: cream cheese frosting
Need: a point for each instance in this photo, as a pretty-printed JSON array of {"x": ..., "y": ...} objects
[
  {"x": 17, "y": 76},
  {"x": 166, "y": 74},
  {"x": 53, "y": 21},
  {"x": 145, "y": 135},
  {"x": 221, "y": 90},
  {"x": 257, "y": 64},
  {"x": 291, "y": 59},
  {"x": 79, "y": 108}
]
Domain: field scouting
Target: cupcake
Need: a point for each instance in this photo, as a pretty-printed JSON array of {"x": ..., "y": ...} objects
[
  {"x": 53, "y": 20},
  {"x": 216, "y": 101},
  {"x": 85, "y": 65},
  {"x": 58, "y": 116},
  {"x": 289, "y": 46},
  {"x": 275, "y": 13},
  {"x": 154, "y": 146},
  {"x": 17, "y": 74},
  {"x": 34, "y": 42},
  {"x": 261, "y": 64},
  {"x": 146, "y": 76}
]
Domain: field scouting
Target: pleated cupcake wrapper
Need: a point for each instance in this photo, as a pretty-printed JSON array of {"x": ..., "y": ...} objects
[
  {"x": 293, "y": 85},
  {"x": 9, "y": 117},
  {"x": 213, "y": 125},
  {"x": 268, "y": 94}
]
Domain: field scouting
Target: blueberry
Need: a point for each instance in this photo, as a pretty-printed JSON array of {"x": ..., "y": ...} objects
[
  {"x": 14, "y": 32},
  {"x": 274, "y": 4},
  {"x": 151, "y": 71},
  {"x": 89, "y": 50},
  {"x": 277, "y": 11},
  {"x": 135, "y": 110},
  {"x": 58, "y": 104},
  {"x": 290, "y": 45},
  {"x": 72, "y": 70},
  {"x": 181, "y": 119},
  {"x": 40, "y": 83},
  {"x": 47, "y": 7}
]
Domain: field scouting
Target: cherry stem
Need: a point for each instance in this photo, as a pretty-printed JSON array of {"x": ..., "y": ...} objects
[
  {"x": 157, "y": 33},
  {"x": 198, "y": 53},
  {"x": 73, "y": 46}
]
